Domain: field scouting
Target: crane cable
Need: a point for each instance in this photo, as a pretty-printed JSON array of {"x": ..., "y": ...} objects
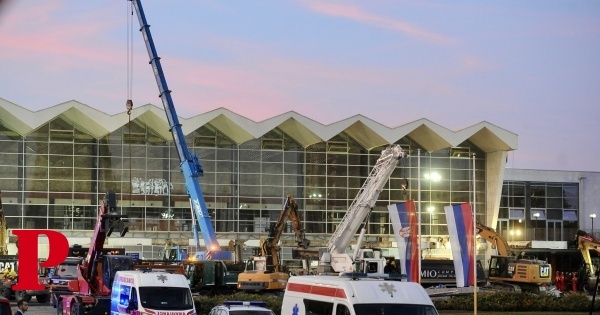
[{"x": 129, "y": 103}]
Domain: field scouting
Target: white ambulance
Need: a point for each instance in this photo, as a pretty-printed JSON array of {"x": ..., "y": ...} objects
[
  {"x": 151, "y": 292},
  {"x": 355, "y": 295}
]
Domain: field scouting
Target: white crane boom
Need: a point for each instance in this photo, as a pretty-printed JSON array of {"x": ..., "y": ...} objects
[{"x": 360, "y": 208}]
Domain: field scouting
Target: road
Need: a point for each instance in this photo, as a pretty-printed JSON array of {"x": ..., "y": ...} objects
[{"x": 36, "y": 308}]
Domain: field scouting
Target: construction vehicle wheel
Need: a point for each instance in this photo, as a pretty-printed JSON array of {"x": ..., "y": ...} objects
[
  {"x": 44, "y": 298},
  {"x": 22, "y": 295},
  {"x": 75, "y": 308}
]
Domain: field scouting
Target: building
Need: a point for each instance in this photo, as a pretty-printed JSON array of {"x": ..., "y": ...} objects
[
  {"x": 541, "y": 212},
  {"x": 57, "y": 164}
]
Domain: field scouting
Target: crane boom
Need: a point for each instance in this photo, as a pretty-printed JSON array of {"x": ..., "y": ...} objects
[
  {"x": 336, "y": 259},
  {"x": 365, "y": 199},
  {"x": 190, "y": 165}
]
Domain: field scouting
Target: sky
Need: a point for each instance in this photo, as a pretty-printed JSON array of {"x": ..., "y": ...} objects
[{"x": 530, "y": 67}]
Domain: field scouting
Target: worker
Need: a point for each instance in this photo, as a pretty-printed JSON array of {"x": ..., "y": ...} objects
[
  {"x": 394, "y": 268},
  {"x": 560, "y": 282},
  {"x": 388, "y": 266},
  {"x": 9, "y": 273},
  {"x": 22, "y": 307}
]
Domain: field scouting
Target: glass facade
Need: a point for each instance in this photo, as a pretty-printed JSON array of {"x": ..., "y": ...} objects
[
  {"x": 539, "y": 211},
  {"x": 55, "y": 177}
]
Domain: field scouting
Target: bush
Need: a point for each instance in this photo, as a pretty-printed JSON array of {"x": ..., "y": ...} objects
[
  {"x": 518, "y": 301},
  {"x": 205, "y": 303}
]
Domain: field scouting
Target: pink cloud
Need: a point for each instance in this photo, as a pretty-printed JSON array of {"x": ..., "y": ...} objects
[
  {"x": 69, "y": 42},
  {"x": 357, "y": 14}
]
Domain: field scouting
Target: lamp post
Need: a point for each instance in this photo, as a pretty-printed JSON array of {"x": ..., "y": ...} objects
[
  {"x": 536, "y": 216},
  {"x": 592, "y": 216},
  {"x": 430, "y": 209}
]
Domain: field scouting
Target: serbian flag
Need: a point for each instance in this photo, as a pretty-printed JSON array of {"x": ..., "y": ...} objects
[
  {"x": 404, "y": 222},
  {"x": 460, "y": 227}
]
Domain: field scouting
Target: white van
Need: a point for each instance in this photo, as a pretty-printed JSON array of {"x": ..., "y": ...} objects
[
  {"x": 151, "y": 292},
  {"x": 340, "y": 295}
]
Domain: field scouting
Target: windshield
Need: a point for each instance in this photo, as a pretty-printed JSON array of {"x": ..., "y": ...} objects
[
  {"x": 67, "y": 271},
  {"x": 166, "y": 298},
  {"x": 251, "y": 312},
  {"x": 394, "y": 309}
]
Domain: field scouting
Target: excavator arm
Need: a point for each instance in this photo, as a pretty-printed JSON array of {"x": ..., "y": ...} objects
[
  {"x": 587, "y": 242},
  {"x": 270, "y": 248},
  {"x": 495, "y": 239}
]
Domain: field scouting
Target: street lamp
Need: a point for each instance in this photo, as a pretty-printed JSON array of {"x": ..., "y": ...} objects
[
  {"x": 430, "y": 209},
  {"x": 536, "y": 216},
  {"x": 593, "y": 216}
]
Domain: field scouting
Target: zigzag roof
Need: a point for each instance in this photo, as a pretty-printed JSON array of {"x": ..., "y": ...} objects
[{"x": 367, "y": 132}]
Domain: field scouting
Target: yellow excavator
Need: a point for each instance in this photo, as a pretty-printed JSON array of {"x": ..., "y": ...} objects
[
  {"x": 264, "y": 272},
  {"x": 587, "y": 243},
  {"x": 508, "y": 272}
]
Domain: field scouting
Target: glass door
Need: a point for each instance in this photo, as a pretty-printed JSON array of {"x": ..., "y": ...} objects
[{"x": 554, "y": 230}]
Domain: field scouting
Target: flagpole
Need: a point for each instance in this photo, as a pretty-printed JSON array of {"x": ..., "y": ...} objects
[
  {"x": 419, "y": 196},
  {"x": 474, "y": 237}
]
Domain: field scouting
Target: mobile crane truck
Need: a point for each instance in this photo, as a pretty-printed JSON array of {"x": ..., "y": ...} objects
[
  {"x": 90, "y": 293},
  {"x": 354, "y": 290},
  {"x": 335, "y": 259},
  {"x": 190, "y": 165}
]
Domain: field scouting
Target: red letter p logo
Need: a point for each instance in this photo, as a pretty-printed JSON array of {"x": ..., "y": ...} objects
[{"x": 28, "y": 256}]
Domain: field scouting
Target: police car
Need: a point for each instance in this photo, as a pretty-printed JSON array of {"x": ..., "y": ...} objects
[{"x": 241, "y": 308}]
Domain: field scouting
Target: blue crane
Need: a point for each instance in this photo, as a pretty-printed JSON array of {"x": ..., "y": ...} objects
[{"x": 189, "y": 163}]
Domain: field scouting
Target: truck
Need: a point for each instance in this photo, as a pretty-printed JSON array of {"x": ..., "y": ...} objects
[
  {"x": 175, "y": 252},
  {"x": 61, "y": 276},
  {"x": 336, "y": 259},
  {"x": 189, "y": 163},
  {"x": 210, "y": 277},
  {"x": 354, "y": 294},
  {"x": 150, "y": 291},
  {"x": 7, "y": 283},
  {"x": 90, "y": 291},
  {"x": 264, "y": 272}
]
